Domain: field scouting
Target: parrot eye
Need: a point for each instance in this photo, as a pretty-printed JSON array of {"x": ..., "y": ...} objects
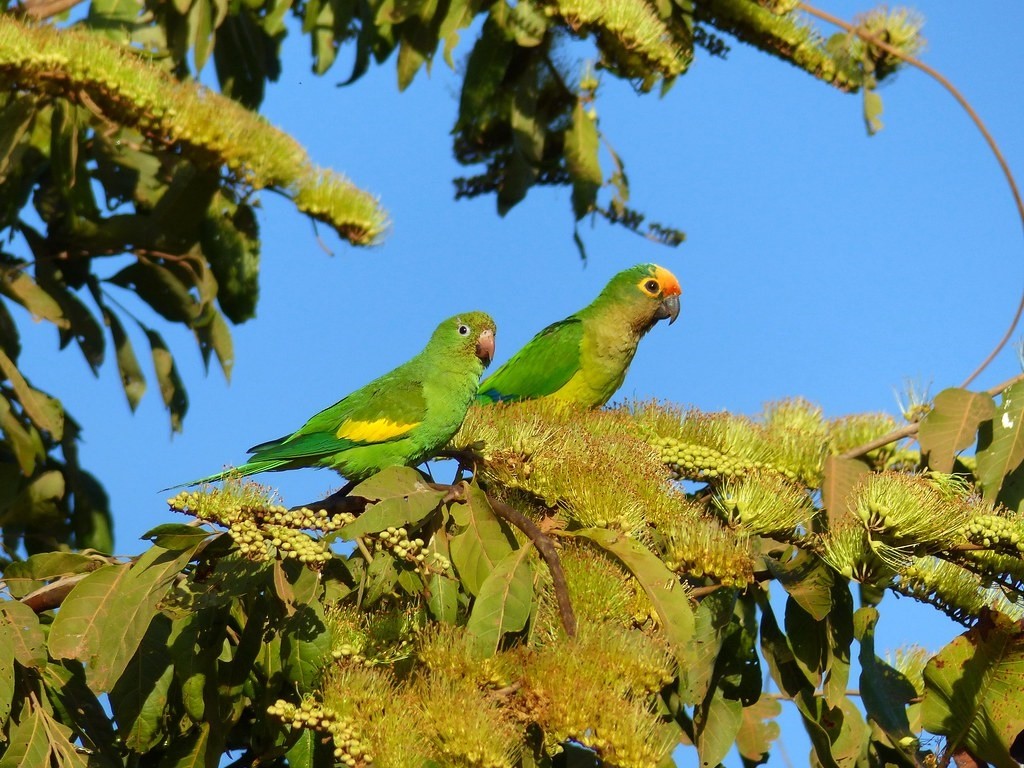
[
  {"x": 651, "y": 286},
  {"x": 463, "y": 330}
]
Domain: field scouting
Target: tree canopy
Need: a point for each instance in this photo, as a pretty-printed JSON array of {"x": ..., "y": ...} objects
[{"x": 596, "y": 589}]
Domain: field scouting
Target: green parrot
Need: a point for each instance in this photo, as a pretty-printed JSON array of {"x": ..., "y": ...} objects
[
  {"x": 584, "y": 358},
  {"x": 402, "y": 418}
]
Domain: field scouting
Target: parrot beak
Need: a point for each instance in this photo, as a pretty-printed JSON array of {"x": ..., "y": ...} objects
[
  {"x": 669, "y": 308},
  {"x": 485, "y": 347}
]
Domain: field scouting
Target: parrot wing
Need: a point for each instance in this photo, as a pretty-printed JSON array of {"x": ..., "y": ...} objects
[
  {"x": 540, "y": 368},
  {"x": 382, "y": 411}
]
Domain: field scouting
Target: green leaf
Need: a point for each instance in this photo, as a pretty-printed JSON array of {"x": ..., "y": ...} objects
[
  {"x": 7, "y": 640},
  {"x": 712, "y": 617},
  {"x": 528, "y": 23},
  {"x": 82, "y": 326},
  {"x": 517, "y": 179},
  {"x": 840, "y": 638},
  {"x": 808, "y": 641},
  {"x": 503, "y": 604},
  {"x": 24, "y": 633},
  {"x": 132, "y": 379},
  {"x": 807, "y": 580},
  {"x": 410, "y": 59},
  {"x": 15, "y": 118},
  {"x": 1002, "y": 452},
  {"x": 161, "y": 288},
  {"x": 177, "y": 536},
  {"x": 45, "y": 412},
  {"x": 305, "y": 646},
  {"x": 872, "y": 110},
  {"x": 786, "y": 673},
  {"x": 528, "y": 126},
  {"x": 972, "y": 690},
  {"x": 76, "y": 630},
  {"x": 758, "y": 730},
  {"x": 661, "y": 585},
  {"x": 75, "y": 705},
  {"x": 10, "y": 340},
  {"x": 214, "y": 336},
  {"x": 394, "y": 512},
  {"x": 28, "y": 745},
  {"x": 17, "y": 285},
  {"x": 390, "y": 482},
  {"x": 103, "y": 620},
  {"x": 443, "y": 598},
  {"x": 442, "y": 590},
  {"x": 581, "y": 147},
  {"x": 840, "y": 477},
  {"x": 381, "y": 577},
  {"x": 482, "y": 543},
  {"x": 717, "y": 722},
  {"x": 200, "y": 748},
  {"x": 26, "y": 444},
  {"x": 39, "y": 740},
  {"x": 229, "y": 238},
  {"x": 201, "y": 22},
  {"x": 245, "y": 57},
  {"x": 952, "y": 425},
  {"x": 139, "y": 697},
  {"x": 884, "y": 691},
  {"x": 172, "y": 390}
]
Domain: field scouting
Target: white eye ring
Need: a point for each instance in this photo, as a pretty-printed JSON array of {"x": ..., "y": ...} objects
[{"x": 463, "y": 330}]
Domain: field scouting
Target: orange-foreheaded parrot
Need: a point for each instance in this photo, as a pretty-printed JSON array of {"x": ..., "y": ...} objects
[
  {"x": 584, "y": 358},
  {"x": 402, "y": 418}
]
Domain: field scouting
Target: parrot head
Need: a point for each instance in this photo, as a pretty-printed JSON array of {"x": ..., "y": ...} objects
[
  {"x": 471, "y": 333},
  {"x": 651, "y": 293}
]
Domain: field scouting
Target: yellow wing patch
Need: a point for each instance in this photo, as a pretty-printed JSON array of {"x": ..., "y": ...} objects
[{"x": 375, "y": 431}]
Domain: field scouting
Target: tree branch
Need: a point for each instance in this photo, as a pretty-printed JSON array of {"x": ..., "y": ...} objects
[
  {"x": 545, "y": 547},
  {"x": 1003, "y": 165}
]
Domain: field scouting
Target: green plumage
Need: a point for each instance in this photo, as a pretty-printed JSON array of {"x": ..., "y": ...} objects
[
  {"x": 584, "y": 358},
  {"x": 402, "y": 418}
]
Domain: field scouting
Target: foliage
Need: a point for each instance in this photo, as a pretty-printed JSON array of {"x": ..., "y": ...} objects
[
  {"x": 412, "y": 623},
  {"x": 599, "y": 591}
]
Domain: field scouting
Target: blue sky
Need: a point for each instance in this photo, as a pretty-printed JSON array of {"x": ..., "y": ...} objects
[{"x": 819, "y": 262}]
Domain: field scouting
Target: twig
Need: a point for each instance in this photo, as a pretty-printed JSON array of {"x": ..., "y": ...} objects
[
  {"x": 546, "y": 547},
  {"x": 911, "y": 429},
  {"x": 544, "y": 544},
  {"x": 1004, "y": 166}
]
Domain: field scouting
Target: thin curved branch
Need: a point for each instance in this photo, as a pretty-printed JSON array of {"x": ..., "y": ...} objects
[
  {"x": 975, "y": 118},
  {"x": 911, "y": 429},
  {"x": 544, "y": 544},
  {"x": 546, "y": 547}
]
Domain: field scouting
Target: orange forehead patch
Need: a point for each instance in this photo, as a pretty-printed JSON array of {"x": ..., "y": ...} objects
[
  {"x": 375, "y": 431},
  {"x": 669, "y": 284}
]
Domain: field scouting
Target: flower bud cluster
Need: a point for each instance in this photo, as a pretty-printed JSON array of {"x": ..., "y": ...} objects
[
  {"x": 689, "y": 461},
  {"x": 995, "y": 532},
  {"x": 263, "y": 531},
  {"x": 349, "y": 750}
]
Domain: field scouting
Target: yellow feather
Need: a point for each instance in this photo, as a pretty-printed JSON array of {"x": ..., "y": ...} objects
[{"x": 372, "y": 431}]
